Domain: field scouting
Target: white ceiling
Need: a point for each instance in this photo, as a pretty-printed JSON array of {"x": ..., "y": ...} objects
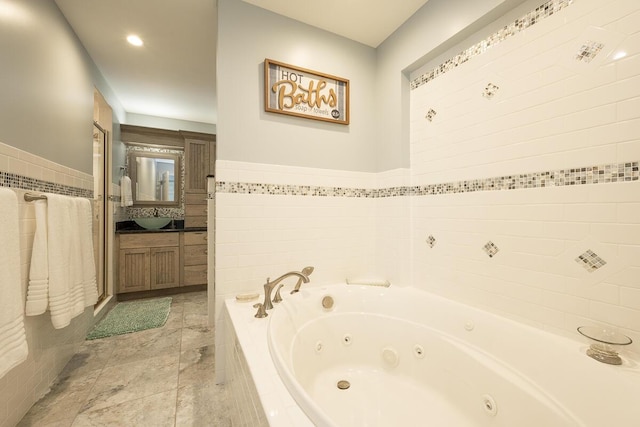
[
  {"x": 173, "y": 74},
  {"x": 369, "y": 22}
]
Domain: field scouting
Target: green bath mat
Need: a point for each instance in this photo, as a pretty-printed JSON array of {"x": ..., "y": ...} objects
[{"x": 132, "y": 316}]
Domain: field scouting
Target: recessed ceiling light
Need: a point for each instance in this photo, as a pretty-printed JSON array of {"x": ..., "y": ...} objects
[{"x": 134, "y": 40}]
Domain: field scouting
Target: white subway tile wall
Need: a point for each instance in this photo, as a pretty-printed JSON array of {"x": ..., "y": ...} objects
[
  {"x": 545, "y": 169},
  {"x": 49, "y": 349},
  {"x": 552, "y": 112},
  {"x": 259, "y": 234}
]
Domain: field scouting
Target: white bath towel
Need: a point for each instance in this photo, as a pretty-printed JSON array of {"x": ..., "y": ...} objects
[
  {"x": 89, "y": 284},
  {"x": 38, "y": 290},
  {"x": 69, "y": 264},
  {"x": 76, "y": 289},
  {"x": 13, "y": 341},
  {"x": 126, "y": 197},
  {"x": 59, "y": 250}
]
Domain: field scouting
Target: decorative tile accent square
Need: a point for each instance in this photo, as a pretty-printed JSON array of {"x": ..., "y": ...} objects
[
  {"x": 490, "y": 248},
  {"x": 430, "y": 114},
  {"x": 590, "y": 261},
  {"x": 431, "y": 241},
  {"x": 588, "y": 51},
  {"x": 490, "y": 90}
]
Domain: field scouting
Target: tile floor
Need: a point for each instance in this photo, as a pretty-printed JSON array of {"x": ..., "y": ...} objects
[{"x": 158, "y": 377}]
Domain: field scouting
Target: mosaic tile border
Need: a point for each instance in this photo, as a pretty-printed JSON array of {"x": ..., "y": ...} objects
[
  {"x": 293, "y": 190},
  {"x": 545, "y": 10},
  {"x": 21, "y": 182},
  {"x": 601, "y": 174}
]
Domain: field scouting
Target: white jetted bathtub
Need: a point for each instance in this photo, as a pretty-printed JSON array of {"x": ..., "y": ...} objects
[{"x": 371, "y": 356}]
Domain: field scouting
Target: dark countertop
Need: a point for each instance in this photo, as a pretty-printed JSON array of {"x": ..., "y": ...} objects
[{"x": 130, "y": 227}]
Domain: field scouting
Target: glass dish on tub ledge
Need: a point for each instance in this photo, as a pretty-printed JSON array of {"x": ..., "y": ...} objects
[{"x": 604, "y": 347}]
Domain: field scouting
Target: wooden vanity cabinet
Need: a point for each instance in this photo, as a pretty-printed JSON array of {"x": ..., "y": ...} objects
[
  {"x": 195, "y": 210},
  {"x": 148, "y": 261},
  {"x": 200, "y": 155}
]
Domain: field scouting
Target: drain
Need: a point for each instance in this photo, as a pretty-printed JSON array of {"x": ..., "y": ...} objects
[
  {"x": 489, "y": 405},
  {"x": 344, "y": 384}
]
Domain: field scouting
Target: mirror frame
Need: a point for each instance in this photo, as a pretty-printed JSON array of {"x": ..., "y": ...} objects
[{"x": 133, "y": 174}]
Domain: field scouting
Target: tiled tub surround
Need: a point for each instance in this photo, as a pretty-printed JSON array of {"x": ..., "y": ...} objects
[
  {"x": 576, "y": 124},
  {"x": 261, "y": 235},
  {"x": 515, "y": 27},
  {"x": 49, "y": 349},
  {"x": 548, "y": 135},
  {"x": 258, "y": 397}
]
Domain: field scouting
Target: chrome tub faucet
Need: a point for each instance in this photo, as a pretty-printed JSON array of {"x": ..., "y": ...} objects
[{"x": 303, "y": 277}]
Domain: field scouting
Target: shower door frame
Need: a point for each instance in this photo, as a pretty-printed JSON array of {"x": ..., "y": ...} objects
[{"x": 101, "y": 214}]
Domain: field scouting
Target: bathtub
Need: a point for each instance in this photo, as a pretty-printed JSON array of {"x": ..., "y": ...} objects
[{"x": 344, "y": 355}]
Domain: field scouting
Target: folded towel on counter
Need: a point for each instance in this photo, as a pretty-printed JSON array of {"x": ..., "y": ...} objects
[
  {"x": 13, "y": 341},
  {"x": 38, "y": 290},
  {"x": 126, "y": 196}
]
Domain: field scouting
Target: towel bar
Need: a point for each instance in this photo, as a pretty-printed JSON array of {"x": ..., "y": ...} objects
[{"x": 30, "y": 197}]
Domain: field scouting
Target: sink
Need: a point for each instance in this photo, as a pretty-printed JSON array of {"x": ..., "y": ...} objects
[{"x": 152, "y": 223}]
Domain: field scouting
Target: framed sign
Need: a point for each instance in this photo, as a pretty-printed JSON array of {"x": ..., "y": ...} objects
[{"x": 305, "y": 93}]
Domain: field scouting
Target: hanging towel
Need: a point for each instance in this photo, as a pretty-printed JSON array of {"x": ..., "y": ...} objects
[
  {"x": 13, "y": 341},
  {"x": 63, "y": 254},
  {"x": 59, "y": 250},
  {"x": 38, "y": 290},
  {"x": 89, "y": 284},
  {"x": 76, "y": 288},
  {"x": 126, "y": 198}
]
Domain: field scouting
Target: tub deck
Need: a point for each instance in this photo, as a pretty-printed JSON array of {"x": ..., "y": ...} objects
[{"x": 468, "y": 350}]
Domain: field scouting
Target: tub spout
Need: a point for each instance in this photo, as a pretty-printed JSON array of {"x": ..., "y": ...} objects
[{"x": 303, "y": 277}]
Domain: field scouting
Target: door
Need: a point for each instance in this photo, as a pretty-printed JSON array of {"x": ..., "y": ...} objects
[{"x": 99, "y": 207}]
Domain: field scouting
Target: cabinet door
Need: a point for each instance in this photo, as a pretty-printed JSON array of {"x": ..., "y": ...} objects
[
  {"x": 134, "y": 270},
  {"x": 195, "y": 255},
  {"x": 195, "y": 275},
  {"x": 165, "y": 267},
  {"x": 197, "y": 165}
]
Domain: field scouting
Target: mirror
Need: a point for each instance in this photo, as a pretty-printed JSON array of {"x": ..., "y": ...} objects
[{"x": 155, "y": 178}]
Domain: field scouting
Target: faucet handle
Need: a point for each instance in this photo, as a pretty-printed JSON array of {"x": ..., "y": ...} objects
[
  {"x": 261, "y": 313},
  {"x": 278, "y": 297}
]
